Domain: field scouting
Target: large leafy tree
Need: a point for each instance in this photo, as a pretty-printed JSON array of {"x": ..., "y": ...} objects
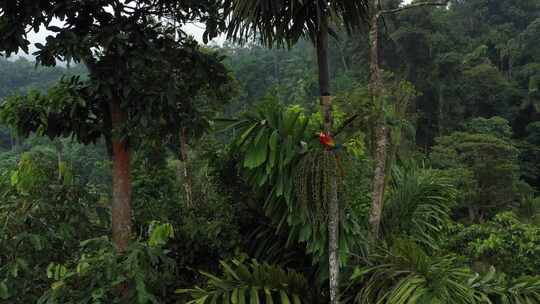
[
  {"x": 485, "y": 153},
  {"x": 284, "y": 23},
  {"x": 118, "y": 42}
]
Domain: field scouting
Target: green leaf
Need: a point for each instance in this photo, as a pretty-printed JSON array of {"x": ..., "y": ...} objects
[
  {"x": 254, "y": 296},
  {"x": 284, "y": 297},
  {"x": 268, "y": 296},
  {"x": 274, "y": 138},
  {"x": 57, "y": 285},
  {"x": 230, "y": 270},
  {"x": 4, "y": 293},
  {"x": 234, "y": 296},
  {"x": 242, "y": 296},
  {"x": 202, "y": 300},
  {"x": 246, "y": 134},
  {"x": 257, "y": 154}
]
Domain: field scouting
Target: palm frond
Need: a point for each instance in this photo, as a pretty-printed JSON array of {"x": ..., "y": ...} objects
[
  {"x": 252, "y": 283},
  {"x": 494, "y": 287},
  {"x": 284, "y": 22},
  {"x": 418, "y": 204},
  {"x": 405, "y": 274}
]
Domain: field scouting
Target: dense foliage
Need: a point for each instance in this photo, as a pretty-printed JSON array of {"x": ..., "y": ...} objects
[{"x": 230, "y": 178}]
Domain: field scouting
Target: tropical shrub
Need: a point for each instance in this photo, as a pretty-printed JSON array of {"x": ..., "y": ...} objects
[
  {"x": 100, "y": 275},
  {"x": 511, "y": 246},
  {"x": 44, "y": 216}
]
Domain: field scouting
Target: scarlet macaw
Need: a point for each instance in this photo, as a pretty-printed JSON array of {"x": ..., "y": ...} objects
[
  {"x": 328, "y": 141},
  {"x": 330, "y": 144}
]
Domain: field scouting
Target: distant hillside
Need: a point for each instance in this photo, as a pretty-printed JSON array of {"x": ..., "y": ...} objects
[{"x": 22, "y": 74}]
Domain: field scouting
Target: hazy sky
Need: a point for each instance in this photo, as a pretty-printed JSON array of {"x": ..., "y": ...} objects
[
  {"x": 193, "y": 29},
  {"x": 39, "y": 37}
]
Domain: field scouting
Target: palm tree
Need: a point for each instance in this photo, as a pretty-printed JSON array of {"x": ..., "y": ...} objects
[
  {"x": 406, "y": 273},
  {"x": 417, "y": 205},
  {"x": 284, "y": 22}
]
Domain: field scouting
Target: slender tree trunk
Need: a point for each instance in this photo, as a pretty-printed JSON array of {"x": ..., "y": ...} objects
[
  {"x": 333, "y": 204},
  {"x": 185, "y": 168},
  {"x": 121, "y": 204},
  {"x": 510, "y": 65},
  {"x": 376, "y": 89},
  {"x": 59, "y": 151},
  {"x": 441, "y": 109},
  {"x": 16, "y": 147},
  {"x": 472, "y": 214},
  {"x": 276, "y": 67},
  {"x": 381, "y": 129},
  {"x": 343, "y": 59}
]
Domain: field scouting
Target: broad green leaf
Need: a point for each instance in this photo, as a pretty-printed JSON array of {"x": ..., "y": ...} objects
[
  {"x": 4, "y": 292},
  {"x": 256, "y": 155},
  {"x": 274, "y": 139}
]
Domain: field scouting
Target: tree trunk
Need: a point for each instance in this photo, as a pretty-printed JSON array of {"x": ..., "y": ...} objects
[
  {"x": 11, "y": 141},
  {"x": 379, "y": 179},
  {"x": 381, "y": 130},
  {"x": 441, "y": 109},
  {"x": 376, "y": 91},
  {"x": 121, "y": 204},
  {"x": 16, "y": 147},
  {"x": 60, "y": 161},
  {"x": 185, "y": 169},
  {"x": 333, "y": 204},
  {"x": 343, "y": 58},
  {"x": 472, "y": 214}
]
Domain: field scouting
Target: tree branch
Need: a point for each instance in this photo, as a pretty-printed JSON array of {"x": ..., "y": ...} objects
[
  {"x": 414, "y": 5},
  {"x": 346, "y": 123}
]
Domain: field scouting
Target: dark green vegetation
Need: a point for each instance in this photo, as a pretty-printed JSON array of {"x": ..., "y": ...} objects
[{"x": 156, "y": 170}]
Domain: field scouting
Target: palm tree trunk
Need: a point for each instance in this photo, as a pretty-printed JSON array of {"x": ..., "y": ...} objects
[
  {"x": 333, "y": 204},
  {"x": 381, "y": 129},
  {"x": 121, "y": 204}
]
